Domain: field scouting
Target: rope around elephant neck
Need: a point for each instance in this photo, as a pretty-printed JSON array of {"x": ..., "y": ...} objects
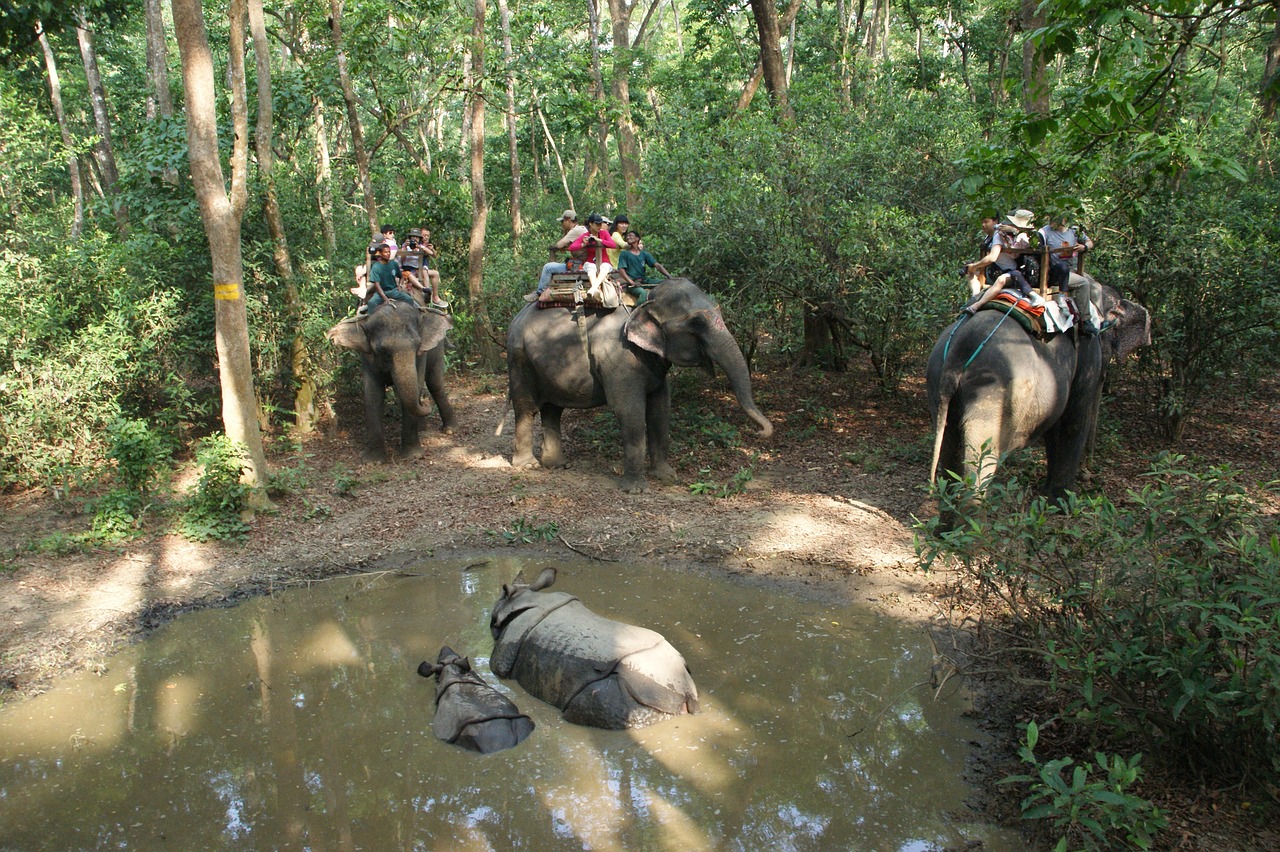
[{"x": 956, "y": 327}]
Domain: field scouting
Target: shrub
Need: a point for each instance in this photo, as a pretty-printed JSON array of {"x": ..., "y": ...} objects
[
  {"x": 1158, "y": 618},
  {"x": 213, "y": 509}
]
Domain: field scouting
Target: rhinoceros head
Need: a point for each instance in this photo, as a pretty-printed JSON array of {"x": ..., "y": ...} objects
[{"x": 516, "y": 598}]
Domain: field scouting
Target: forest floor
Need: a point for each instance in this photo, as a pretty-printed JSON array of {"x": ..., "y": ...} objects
[{"x": 829, "y": 501}]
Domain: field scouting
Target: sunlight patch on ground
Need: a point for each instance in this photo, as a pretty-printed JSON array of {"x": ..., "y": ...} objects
[
  {"x": 828, "y": 529},
  {"x": 117, "y": 592}
]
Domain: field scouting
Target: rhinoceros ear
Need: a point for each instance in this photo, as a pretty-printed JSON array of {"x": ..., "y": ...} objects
[
  {"x": 463, "y": 663},
  {"x": 546, "y": 578},
  {"x": 445, "y": 653},
  {"x": 428, "y": 669}
]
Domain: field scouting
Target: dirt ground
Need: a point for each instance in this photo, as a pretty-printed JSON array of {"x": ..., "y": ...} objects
[{"x": 828, "y": 501}]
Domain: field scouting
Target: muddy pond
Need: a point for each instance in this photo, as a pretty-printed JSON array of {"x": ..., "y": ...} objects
[{"x": 298, "y": 721}]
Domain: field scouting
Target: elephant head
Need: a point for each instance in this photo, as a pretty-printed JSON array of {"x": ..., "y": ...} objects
[
  {"x": 1128, "y": 326},
  {"x": 681, "y": 324},
  {"x": 392, "y": 337}
]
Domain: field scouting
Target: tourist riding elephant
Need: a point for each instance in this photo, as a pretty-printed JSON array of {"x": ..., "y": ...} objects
[
  {"x": 619, "y": 358},
  {"x": 599, "y": 672},
  {"x": 400, "y": 346},
  {"x": 993, "y": 385}
]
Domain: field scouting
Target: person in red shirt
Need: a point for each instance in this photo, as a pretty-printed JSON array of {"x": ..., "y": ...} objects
[{"x": 595, "y": 241}]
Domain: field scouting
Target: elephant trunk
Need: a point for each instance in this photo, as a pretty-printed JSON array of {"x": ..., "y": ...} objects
[
  {"x": 404, "y": 378},
  {"x": 726, "y": 355}
]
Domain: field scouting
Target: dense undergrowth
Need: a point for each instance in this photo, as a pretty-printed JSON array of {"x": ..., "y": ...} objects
[{"x": 1149, "y": 625}]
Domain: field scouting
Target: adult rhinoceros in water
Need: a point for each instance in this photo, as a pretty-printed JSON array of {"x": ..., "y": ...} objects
[{"x": 599, "y": 672}]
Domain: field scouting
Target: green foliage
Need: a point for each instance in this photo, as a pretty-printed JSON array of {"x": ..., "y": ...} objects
[
  {"x": 213, "y": 510},
  {"x": 527, "y": 531},
  {"x": 1086, "y": 811},
  {"x": 735, "y": 486},
  {"x": 139, "y": 453},
  {"x": 1158, "y": 618}
]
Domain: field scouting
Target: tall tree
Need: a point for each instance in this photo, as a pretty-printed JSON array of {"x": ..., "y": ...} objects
[
  {"x": 304, "y": 407},
  {"x": 353, "y": 115},
  {"x": 159, "y": 99},
  {"x": 509, "y": 118},
  {"x": 104, "y": 151},
  {"x": 489, "y": 358},
  {"x": 73, "y": 162},
  {"x": 765, "y": 13},
  {"x": 1035, "y": 79},
  {"x": 597, "y": 161},
  {"x": 628, "y": 152},
  {"x": 222, "y": 214}
]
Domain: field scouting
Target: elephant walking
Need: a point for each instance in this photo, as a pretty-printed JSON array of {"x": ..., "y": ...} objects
[
  {"x": 400, "y": 346},
  {"x": 993, "y": 388},
  {"x": 618, "y": 358}
]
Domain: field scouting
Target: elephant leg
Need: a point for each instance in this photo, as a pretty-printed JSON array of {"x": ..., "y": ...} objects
[
  {"x": 631, "y": 406},
  {"x": 375, "y": 396},
  {"x": 434, "y": 380},
  {"x": 522, "y": 456},
  {"x": 658, "y": 433},
  {"x": 552, "y": 448}
]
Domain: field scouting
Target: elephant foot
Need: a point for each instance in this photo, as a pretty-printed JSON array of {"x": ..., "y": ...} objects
[
  {"x": 554, "y": 461},
  {"x": 447, "y": 429},
  {"x": 374, "y": 456},
  {"x": 412, "y": 452},
  {"x": 663, "y": 472},
  {"x": 635, "y": 484},
  {"x": 524, "y": 462}
]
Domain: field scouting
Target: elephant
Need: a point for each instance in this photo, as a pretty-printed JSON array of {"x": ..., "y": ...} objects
[
  {"x": 599, "y": 672},
  {"x": 469, "y": 712},
  {"x": 401, "y": 347},
  {"x": 558, "y": 359},
  {"x": 993, "y": 388}
]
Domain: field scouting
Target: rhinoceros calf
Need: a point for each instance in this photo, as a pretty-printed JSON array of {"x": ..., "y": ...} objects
[
  {"x": 469, "y": 712},
  {"x": 599, "y": 672}
]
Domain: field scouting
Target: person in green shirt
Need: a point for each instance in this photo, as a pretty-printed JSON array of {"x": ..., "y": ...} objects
[
  {"x": 384, "y": 278},
  {"x": 632, "y": 263}
]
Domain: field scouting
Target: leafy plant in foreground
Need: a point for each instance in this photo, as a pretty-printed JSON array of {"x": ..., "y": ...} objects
[
  {"x": 527, "y": 531},
  {"x": 213, "y": 509}
]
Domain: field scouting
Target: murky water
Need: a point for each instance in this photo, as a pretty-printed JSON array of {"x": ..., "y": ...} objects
[{"x": 299, "y": 722}]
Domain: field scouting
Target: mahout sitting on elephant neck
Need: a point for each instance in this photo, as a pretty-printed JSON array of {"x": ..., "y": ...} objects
[
  {"x": 599, "y": 672},
  {"x": 469, "y": 712}
]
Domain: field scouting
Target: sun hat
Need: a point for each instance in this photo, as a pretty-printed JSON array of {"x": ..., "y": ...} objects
[
  {"x": 1021, "y": 218},
  {"x": 569, "y": 214},
  {"x": 415, "y": 232}
]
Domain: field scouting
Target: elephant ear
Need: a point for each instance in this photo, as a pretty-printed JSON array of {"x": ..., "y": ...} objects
[
  {"x": 434, "y": 327},
  {"x": 644, "y": 330},
  {"x": 349, "y": 334}
]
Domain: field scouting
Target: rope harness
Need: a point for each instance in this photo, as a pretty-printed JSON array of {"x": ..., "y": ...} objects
[{"x": 956, "y": 327}]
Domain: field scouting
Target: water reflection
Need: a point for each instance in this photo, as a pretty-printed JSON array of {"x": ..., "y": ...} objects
[{"x": 298, "y": 721}]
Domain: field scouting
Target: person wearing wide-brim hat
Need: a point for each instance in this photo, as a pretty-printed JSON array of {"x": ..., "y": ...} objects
[
  {"x": 1021, "y": 219},
  {"x": 1008, "y": 240},
  {"x": 572, "y": 230}
]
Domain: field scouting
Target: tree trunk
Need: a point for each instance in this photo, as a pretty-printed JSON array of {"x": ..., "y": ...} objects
[
  {"x": 749, "y": 92},
  {"x": 73, "y": 164},
  {"x": 304, "y": 406},
  {"x": 104, "y": 151},
  {"x": 775, "y": 74},
  {"x": 551, "y": 143},
  {"x": 159, "y": 98},
  {"x": 1035, "y": 84},
  {"x": 489, "y": 357},
  {"x": 517, "y": 226},
  {"x": 222, "y": 214},
  {"x": 628, "y": 155},
  {"x": 353, "y": 115},
  {"x": 1270, "y": 78},
  {"x": 599, "y": 161}
]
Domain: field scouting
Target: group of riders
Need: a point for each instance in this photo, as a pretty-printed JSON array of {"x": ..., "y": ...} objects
[
  {"x": 1019, "y": 258},
  {"x": 608, "y": 253}
]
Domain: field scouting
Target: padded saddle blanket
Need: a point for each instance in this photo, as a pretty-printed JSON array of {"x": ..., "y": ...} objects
[
  {"x": 569, "y": 289},
  {"x": 1036, "y": 316}
]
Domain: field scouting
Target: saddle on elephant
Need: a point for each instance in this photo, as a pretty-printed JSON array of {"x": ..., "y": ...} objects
[
  {"x": 570, "y": 289},
  {"x": 1039, "y": 317}
]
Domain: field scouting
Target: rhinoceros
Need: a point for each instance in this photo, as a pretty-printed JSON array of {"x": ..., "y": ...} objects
[
  {"x": 599, "y": 672},
  {"x": 469, "y": 712}
]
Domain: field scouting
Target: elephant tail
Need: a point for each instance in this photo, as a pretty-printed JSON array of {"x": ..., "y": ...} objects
[
  {"x": 502, "y": 419},
  {"x": 939, "y": 432}
]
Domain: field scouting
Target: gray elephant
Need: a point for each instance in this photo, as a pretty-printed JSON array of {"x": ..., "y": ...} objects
[
  {"x": 469, "y": 712},
  {"x": 992, "y": 384},
  {"x": 599, "y": 672},
  {"x": 619, "y": 358},
  {"x": 402, "y": 347}
]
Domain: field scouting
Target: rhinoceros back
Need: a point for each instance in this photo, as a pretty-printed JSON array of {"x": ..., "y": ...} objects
[
  {"x": 601, "y": 672},
  {"x": 474, "y": 715}
]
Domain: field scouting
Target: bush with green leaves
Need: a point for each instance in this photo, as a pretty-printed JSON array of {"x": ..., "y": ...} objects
[
  {"x": 1155, "y": 619},
  {"x": 213, "y": 510},
  {"x": 1093, "y": 809}
]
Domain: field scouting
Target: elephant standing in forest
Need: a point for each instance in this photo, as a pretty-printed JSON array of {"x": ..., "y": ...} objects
[
  {"x": 400, "y": 346},
  {"x": 599, "y": 672},
  {"x": 558, "y": 359},
  {"x": 991, "y": 383}
]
